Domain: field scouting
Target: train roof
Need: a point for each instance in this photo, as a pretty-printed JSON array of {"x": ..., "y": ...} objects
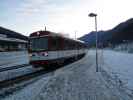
[{"x": 49, "y": 33}]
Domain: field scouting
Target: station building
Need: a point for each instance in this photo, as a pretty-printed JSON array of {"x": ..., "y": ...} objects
[{"x": 12, "y": 41}]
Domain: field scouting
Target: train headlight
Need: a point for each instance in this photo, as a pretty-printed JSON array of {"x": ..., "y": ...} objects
[
  {"x": 44, "y": 53},
  {"x": 30, "y": 55}
]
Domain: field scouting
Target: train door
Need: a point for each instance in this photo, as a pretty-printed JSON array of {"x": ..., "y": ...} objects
[{"x": 53, "y": 47}]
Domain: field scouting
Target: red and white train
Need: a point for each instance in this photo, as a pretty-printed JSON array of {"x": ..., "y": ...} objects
[{"x": 48, "y": 48}]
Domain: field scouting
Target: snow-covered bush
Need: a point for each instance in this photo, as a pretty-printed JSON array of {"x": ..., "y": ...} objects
[{"x": 125, "y": 47}]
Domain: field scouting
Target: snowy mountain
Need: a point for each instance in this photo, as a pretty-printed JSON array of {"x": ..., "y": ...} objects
[{"x": 119, "y": 34}]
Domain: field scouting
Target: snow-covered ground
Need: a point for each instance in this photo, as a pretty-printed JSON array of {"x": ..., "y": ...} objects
[
  {"x": 77, "y": 81},
  {"x": 119, "y": 66}
]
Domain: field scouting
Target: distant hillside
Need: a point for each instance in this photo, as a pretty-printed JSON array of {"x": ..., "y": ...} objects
[
  {"x": 119, "y": 34},
  {"x": 12, "y": 34}
]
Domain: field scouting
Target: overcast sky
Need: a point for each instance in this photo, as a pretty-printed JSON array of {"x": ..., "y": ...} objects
[{"x": 64, "y": 16}]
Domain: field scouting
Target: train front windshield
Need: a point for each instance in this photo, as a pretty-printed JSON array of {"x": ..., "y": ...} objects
[{"x": 40, "y": 43}]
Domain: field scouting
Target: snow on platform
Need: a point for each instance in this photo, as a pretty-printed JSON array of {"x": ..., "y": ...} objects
[
  {"x": 77, "y": 81},
  {"x": 8, "y": 59}
]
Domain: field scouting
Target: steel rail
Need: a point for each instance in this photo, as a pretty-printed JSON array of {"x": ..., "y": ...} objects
[
  {"x": 9, "y": 82},
  {"x": 14, "y": 67}
]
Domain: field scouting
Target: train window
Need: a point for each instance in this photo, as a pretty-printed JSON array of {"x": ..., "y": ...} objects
[
  {"x": 39, "y": 43},
  {"x": 55, "y": 43},
  {"x": 69, "y": 45},
  {"x": 66, "y": 44}
]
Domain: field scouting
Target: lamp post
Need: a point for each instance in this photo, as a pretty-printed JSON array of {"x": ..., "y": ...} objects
[
  {"x": 76, "y": 45},
  {"x": 95, "y": 15}
]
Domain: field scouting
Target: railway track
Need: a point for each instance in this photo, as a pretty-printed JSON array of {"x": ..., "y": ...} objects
[
  {"x": 9, "y": 86},
  {"x": 10, "y": 82},
  {"x": 18, "y": 79},
  {"x": 14, "y": 67}
]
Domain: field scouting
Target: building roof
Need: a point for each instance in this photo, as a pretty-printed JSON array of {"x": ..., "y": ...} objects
[
  {"x": 12, "y": 40},
  {"x": 12, "y": 34}
]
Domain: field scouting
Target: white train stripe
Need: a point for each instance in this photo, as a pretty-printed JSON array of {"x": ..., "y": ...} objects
[{"x": 57, "y": 54}]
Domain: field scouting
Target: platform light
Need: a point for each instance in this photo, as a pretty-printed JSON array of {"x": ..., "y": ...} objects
[{"x": 95, "y": 16}]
